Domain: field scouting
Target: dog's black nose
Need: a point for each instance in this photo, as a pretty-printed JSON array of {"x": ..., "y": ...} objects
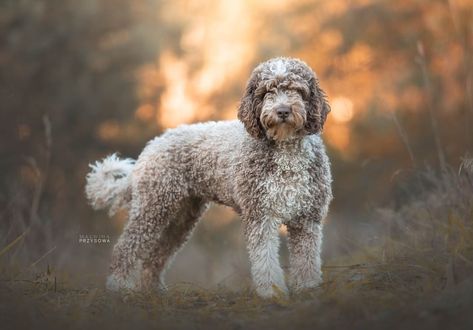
[{"x": 283, "y": 112}]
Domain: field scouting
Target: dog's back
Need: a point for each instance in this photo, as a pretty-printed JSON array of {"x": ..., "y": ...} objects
[{"x": 200, "y": 156}]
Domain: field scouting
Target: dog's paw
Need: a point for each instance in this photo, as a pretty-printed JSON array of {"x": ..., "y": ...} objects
[
  {"x": 272, "y": 291},
  {"x": 299, "y": 284},
  {"x": 118, "y": 283}
]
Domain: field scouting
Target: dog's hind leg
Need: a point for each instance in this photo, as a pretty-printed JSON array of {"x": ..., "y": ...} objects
[
  {"x": 173, "y": 238},
  {"x": 144, "y": 250},
  {"x": 155, "y": 203}
]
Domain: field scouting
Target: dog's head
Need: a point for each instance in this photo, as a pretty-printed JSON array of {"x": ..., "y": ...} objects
[{"x": 283, "y": 100}]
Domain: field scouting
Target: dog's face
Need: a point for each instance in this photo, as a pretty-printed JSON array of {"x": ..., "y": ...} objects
[{"x": 282, "y": 101}]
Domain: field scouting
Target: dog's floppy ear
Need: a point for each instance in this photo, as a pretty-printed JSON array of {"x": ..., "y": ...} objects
[
  {"x": 318, "y": 108},
  {"x": 250, "y": 108}
]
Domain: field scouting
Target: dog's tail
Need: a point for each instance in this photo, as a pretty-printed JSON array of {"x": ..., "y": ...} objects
[{"x": 108, "y": 184}]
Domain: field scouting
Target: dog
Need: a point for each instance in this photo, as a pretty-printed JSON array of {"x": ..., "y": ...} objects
[{"x": 270, "y": 166}]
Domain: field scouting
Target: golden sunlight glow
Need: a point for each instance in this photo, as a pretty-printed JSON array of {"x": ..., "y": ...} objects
[
  {"x": 225, "y": 52},
  {"x": 342, "y": 109},
  {"x": 283, "y": 230},
  {"x": 217, "y": 51},
  {"x": 145, "y": 112},
  {"x": 219, "y": 44},
  {"x": 176, "y": 105},
  {"x": 222, "y": 40},
  {"x": 338, "y": 136},
  {"x": 108, "y": 130}
]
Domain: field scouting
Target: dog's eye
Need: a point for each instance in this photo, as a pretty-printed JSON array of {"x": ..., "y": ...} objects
[
  {"x": 304, "y": 92},
  {"x": 270, "y": 92},
  {"x": 300, "y": 88}
]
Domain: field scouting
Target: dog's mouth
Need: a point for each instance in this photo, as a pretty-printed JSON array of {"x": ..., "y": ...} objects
[
  {"x": 274, "y": 122},
  {"x": 282, "y": 128},
  {"x": 281, "y": 132}
]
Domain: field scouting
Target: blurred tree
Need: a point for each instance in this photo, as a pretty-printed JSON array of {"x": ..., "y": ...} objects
[{"x": 67, "y": 68}]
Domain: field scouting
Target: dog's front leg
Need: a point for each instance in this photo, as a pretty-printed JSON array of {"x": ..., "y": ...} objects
[
  {"x": 305, "y": 242},
  {"x": 262, "y": 240}
]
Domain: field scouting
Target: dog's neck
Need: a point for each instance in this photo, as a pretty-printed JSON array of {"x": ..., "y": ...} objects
[{"x": 291, "y": 144}]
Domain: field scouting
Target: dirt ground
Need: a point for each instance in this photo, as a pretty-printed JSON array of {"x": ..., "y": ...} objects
[{"x": 359, "y": 296}]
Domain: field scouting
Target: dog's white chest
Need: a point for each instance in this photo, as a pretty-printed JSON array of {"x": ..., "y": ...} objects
[{"x": 288, "y": 186}]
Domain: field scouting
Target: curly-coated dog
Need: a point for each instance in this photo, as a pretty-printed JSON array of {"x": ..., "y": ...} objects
[{"x": 270, "y": 167}]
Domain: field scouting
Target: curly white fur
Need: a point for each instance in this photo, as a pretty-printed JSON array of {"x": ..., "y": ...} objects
[{"x": 108, "y": 184}]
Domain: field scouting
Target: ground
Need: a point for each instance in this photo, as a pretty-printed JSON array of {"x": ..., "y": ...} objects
[{"x": 359, "y": 296}]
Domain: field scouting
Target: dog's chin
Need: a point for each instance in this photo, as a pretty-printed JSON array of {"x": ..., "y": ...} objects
[{"x": 282, "y": 131}]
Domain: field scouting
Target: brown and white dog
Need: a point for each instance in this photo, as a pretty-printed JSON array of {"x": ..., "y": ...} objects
[{"x": 270, "y": 167}]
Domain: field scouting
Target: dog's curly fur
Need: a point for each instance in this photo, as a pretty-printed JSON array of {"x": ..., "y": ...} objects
[{"x": 271, "y": 167}]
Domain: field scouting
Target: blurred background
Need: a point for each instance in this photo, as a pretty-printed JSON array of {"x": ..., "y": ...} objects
[{"x": 82, "y": 79}]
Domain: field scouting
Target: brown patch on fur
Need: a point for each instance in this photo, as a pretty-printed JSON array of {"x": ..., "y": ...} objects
[
  {"x": 318, "y": 108},
  {"x": 250, "y": 108},
  {"x": 281, "y": 132}
]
